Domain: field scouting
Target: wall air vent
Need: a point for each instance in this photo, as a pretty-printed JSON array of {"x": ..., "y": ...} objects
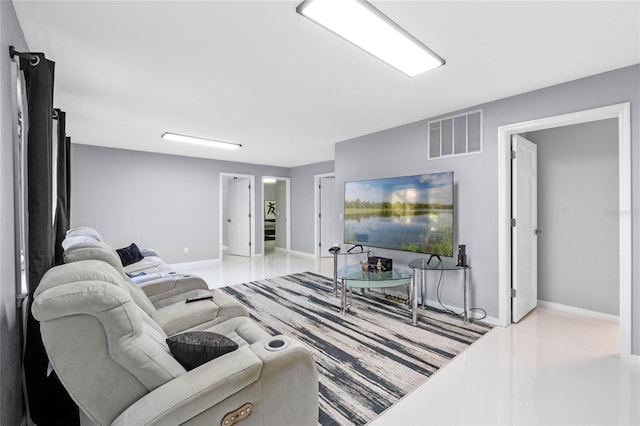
[{"x": 455, "y": 135}]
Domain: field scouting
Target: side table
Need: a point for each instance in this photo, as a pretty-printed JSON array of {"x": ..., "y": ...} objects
[{"x": 422, "y": 265}]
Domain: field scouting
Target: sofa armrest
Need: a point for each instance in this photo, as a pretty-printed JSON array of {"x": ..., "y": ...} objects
[
  {"x": 172, "y": 284},
  {"x": 180, "y": 317},
  {"x": 196, "y": 391},
  {"x": 289, "y": 380},
  {"x": 149, "y": 265},
  {"x": 148, "y": 252},
  {"x": 142, "y": 278}
]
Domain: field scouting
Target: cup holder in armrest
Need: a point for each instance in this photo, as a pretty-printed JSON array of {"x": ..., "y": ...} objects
[{"x": 276, "y": 344}]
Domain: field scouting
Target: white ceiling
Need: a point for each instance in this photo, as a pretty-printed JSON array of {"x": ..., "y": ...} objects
[{"x": 258, "y": 74}]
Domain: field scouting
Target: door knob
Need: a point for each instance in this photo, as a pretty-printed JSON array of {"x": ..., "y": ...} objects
[{"x": 538, "y": 232}]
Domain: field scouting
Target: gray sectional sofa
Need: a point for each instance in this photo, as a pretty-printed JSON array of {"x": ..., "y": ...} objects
[{"x": 112, "y": 343}]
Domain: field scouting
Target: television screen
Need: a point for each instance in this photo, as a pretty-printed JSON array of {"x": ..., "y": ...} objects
[{"x": 410, "y": 213}]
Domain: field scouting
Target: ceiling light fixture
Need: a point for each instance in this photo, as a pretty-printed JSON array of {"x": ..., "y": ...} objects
[
  {"x": 200, "y": 141},
  {"x": 366, "y": 27}
]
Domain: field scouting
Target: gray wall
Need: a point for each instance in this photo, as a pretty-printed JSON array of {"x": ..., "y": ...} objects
[
  {"x": 270, "y": 191},
  {"x": 577, "y": 178},
  {"x": 476, "y": 176},
  {"x": 474, "y": 206},
  {"x": 160, "y": 201},
  {"x": 302, "y": 205},
  {"x": 280, "y": 196},
  {"x": 11, "y": 411}
]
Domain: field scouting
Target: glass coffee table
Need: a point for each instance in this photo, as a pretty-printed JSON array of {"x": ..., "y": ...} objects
[{"x": 352, "y": 276}]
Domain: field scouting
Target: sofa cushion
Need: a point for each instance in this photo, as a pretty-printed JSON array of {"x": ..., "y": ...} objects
[
  {"x": 93, "y": 250},
  {"x": 69, "y": 242},
  {"x": 194, "y": 348},
  {"x": 130, "y": 254},
  {"x": 148, "y": 265},
  {"x": 84, "y": 231}
]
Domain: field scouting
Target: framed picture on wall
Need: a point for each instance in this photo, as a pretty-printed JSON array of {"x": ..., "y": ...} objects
[
  {"x": 269, "y": 210},
  {"x": 269, "y": 220}
]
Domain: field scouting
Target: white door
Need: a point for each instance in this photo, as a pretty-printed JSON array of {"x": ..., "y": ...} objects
[
  {"x": 327, "y": 209},
  {"x": 239, "y": 216},
  {"x": 524, "y": 243}
]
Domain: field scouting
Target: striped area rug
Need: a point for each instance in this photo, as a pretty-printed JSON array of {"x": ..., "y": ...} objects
[{"x": 367, "y": 359}]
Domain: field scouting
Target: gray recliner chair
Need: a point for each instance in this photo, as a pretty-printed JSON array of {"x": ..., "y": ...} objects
[
  {"x": 114, "y": 361},
  {"x": 162, "y": 288},
  {"x": 165, "y": 303},
  {"x": 151, "y": 264}
]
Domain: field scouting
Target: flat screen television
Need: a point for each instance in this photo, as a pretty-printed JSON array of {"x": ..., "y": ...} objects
[{"x": 409, "y": 213}]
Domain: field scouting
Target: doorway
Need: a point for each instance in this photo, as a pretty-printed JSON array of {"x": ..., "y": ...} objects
[
  {"x": 621, "y": 113},
  {"x": 324, "y": 214},
  {"x": 237, "y": 214},
  {"x": 276, "y": 202}
]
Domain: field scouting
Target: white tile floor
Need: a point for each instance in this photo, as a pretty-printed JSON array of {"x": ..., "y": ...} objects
[
  {"x": 551, "y": 368},
  {"x": 237, "y": 269}
]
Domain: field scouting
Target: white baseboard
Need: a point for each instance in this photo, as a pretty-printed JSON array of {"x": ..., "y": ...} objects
[
  {"x": 491, "y": 321},
  {"x": 579, "y": 311},
  {"x": 195, "y": 264},
  {"x": 633, "y": 359},
  {"x": 473, "y": 315},
  {"x": 297, "y": 253},
  {"x": 488, "y": 320}
]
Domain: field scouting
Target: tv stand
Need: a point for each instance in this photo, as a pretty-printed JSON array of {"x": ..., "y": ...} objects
[
  {"x": 421, "y": 267},
  {"x": 432, "y": 256}
]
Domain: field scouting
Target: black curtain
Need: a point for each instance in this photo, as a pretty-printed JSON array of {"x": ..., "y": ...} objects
[
  {"x": 67, "y": 171},
  {"x": 49, "y": 403},
  {"x": 63, "y": 199}
]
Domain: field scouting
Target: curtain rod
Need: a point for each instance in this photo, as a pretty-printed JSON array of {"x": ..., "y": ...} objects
[{"x": 33, "y": 59}]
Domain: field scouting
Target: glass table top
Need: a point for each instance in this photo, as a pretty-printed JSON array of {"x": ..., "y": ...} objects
[{"x": 356, "y": 277}]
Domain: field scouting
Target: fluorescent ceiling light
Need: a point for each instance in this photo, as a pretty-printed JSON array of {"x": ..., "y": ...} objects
[
  {"x": 200, "y": 141},
  {"x": 366, "y": 27}
]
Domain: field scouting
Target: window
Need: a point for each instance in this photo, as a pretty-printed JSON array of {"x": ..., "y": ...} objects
[
  {"x": 455, "y": 135},
  {"x": 20, "y": 174}
]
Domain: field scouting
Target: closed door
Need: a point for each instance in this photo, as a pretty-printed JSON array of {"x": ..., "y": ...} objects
[
  {"x": 524, "y": 243},
  {"x": 239, "y": 216}
]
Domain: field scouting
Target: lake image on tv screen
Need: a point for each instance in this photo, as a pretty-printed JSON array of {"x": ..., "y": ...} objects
[{"x": 410, "y": 213}]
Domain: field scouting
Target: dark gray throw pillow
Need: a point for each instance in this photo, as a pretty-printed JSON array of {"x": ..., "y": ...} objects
[
  {"x": 129, "y": 255},
  {"x": 194, "y": 348}
]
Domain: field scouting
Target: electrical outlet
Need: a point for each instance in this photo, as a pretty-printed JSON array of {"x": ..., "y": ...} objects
[{"x": 186, "y": 250}]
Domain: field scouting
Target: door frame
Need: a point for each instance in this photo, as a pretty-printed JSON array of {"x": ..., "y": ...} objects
[
  {"x": 287, "y": 181},
  {"x": 252, "y": 209},
  {"x": 316, "y": 210},
  {"x": 623, "y": 114}
]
